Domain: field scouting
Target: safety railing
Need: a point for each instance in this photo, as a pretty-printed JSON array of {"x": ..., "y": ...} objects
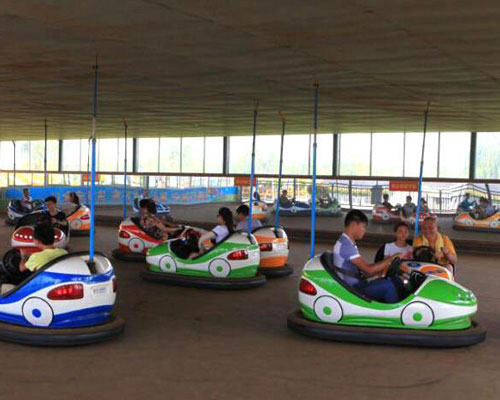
[{"x": 442, "y": 196}]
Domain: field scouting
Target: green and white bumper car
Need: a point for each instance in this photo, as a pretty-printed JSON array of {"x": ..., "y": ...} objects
[
  {"x": 231, "y": 264},
  {"x": 435, "y": 313}
]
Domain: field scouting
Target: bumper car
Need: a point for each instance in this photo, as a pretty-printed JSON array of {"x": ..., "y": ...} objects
[
  {"x": 297, "y": 209},
  {"x": 260, "y": 210},
  {"x": 22, "y": 238},
  {"x": 435, "y": 313},
  {"x": 230, "y": 264},
  {"x": 383, "y": 214},
  {"x": 467, "y": 221},
  {"x": 134, "y": 242},
  {"x": 274, "y": 247},
  {"x": 16, "y": 210},
  {"x": 423, "y": 215},
  {"x": 79, "y": 221},
  {"x": 65, "y": 303},
  {"x": 162, "y": 210},
  {"x": 326, "y": 207}
]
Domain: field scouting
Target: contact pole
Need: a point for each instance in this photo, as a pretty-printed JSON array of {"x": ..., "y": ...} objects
[
  {"x": 283, "y": 127},
  {"x": 87, "y": 184},
  {"x": 14, "y": 144},
  {"x": 252, "y": 168},
  {"x": 92, "y": 183},
  {"x": 426, "y": 114},
  {"x": 313, "y": 193},
  {"x": 125, "y": 173},
  {"x": 45, "y": 174}
]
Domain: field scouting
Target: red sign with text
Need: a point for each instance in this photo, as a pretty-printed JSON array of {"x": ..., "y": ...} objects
[
  {"x": 86, "y": 178},
  {"x": 243, "y": 181},
  {"x": 403, "y": 186}
]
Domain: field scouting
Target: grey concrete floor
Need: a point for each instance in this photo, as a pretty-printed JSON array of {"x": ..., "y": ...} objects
[{"x": 183, "y": 343}]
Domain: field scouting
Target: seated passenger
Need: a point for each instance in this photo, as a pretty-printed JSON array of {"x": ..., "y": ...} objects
[
  {"x": 242, "y": 218},
  {"x": 424, "y": 207},
  {"x": 467, "y": 203},
  {"x": 346, "y": 256},
  {"x": 154, "y": 226},
  {"x": 57, "y": 217},
  {"x": 256, "y": 196},
  {"x": 74, "y": 201},
  {"x": 408, "y": 208},
  {"x": 442, "y": 245},
  {"x": 222, "y": 230},
  {"x": 400, "y": 244},
  {"x": 27, "y": 201},
  {"x": 144, "y": 194},
  {"x": 386, "y": 203},
  {"x": 484, "y": 210},
  {"x": 284, "y": 200},
  {"x": 43, "y": 238},
  {"x": 143, "y": 207}
]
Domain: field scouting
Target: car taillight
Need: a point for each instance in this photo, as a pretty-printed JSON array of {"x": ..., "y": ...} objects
[
  {"x": 25, "y": 234},
  {"x": 57, "y": 235},
  {"x": 124, "y": 234},
  {"x": 238, "y": 255},
  {"x": 85, "y": 217},
  {"x": 115, "y": 285},
  {"x": 307, "y": 287},
  {"x": 72, "y": 291},
  {"x": 266, "y": 247}
]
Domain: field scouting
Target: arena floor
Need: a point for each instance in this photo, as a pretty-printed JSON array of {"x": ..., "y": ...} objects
[{"x": 183, "y": 343}]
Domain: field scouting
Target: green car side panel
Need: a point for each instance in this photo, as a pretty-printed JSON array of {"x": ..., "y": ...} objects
[
  {"x": 219, "y": 251},
  {"x": 438, "y": 290}
]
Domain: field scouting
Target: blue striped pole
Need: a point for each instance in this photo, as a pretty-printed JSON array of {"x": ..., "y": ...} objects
[
  {"x": 252, "y": 168},
  {"x": 283, "y": 126},
  {"x": 125, "y": 173},
  {"x": 313, "y": 193},
  {"x": 426, "y": 114},
  {"x": 92, "y": 182}
]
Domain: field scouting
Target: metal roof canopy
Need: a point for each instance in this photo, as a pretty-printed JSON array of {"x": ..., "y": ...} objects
[{"x": 193, "y": 67}]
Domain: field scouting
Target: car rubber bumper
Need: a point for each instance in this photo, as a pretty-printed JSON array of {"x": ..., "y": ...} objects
[
  {"x": 276, "y": 272},
  {"x": 475, "y": 229},
  {"x": 56, "y": 337},
  {"x": 128, "y": 256},
  {"x": 202, "y": 282},
  {"x": 386, "y": 336}
]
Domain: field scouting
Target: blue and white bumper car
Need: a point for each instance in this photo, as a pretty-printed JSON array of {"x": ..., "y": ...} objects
[
  {"x": 16, "y": 210},
  {"x": 162, "y": 209},
  {"x": 67, "y": 302}
]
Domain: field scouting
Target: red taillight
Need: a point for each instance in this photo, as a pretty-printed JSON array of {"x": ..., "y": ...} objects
[
  {"x": 266, "y": 247},
  {"x": 238, "y": 255},
  {"x": 57, "y": 235},
  {"x": 124, "y": 234},
  {"x": 115, "y": 285},
  {"x": 85, "y": 217},
  {"x": 307, "y": 287},
  {"x": 25, "y": 234},
  {"x": 72, "y": 291}
]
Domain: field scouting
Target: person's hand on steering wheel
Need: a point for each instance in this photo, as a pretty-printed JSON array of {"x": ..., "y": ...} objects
[{"x": 394, "y": 266}]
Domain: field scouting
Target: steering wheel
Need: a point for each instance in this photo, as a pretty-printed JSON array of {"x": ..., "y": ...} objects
[
  {"x": 425, "y": 254},
  {"x": 415, "y": 281},
  {"x": 10, "y": 267},
  {"x": 394, "y": 267}
]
